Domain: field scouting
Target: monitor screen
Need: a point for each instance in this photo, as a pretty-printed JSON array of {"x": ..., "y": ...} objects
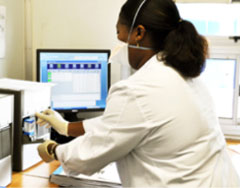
[{"x": 81, "y": 78}]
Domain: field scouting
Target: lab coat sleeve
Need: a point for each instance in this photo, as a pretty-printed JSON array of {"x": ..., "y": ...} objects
[
  {"x": 109, "y": 137},
  {"x": 89, "y": 124}
]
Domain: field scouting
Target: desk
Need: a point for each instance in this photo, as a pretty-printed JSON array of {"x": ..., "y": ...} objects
[{"x": 37, "y": 176}]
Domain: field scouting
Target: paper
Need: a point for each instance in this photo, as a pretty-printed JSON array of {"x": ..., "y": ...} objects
[
  {"x": 107, "y": 177},
  {"x": 235, "y": 148}
]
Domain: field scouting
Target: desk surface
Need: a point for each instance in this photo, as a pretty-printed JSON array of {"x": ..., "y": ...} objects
[{"x": 38, "y": 175}]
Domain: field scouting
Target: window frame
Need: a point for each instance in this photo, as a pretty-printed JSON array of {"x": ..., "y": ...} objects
[
  {"x": 225, "y": 49},
  {"x": 221, "y": 47}
]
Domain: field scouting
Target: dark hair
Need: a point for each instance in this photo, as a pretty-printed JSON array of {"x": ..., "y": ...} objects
[{"x": 181, "y": 46}]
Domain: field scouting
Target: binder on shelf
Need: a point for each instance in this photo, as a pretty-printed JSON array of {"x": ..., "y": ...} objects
[{"x": 107, "y": 177}]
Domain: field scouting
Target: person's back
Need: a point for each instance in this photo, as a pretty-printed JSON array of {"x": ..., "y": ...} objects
[{"x": 184, "y": 146}]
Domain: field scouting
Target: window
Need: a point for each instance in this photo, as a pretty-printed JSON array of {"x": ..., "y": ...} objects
[
  {"x": 221, "y": 74},
  {"x": 223, "y": 21}
]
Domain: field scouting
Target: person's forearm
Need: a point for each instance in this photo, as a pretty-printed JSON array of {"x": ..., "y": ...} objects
[{"x": 75, "y": 129}]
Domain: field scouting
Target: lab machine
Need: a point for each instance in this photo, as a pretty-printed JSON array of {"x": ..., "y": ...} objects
[
  {"x": 29, "y": 98},
  {"x": 6, "y": 121}
]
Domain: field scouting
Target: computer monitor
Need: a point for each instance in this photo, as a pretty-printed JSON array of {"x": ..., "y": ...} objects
[{"x": 81, "y": 78}]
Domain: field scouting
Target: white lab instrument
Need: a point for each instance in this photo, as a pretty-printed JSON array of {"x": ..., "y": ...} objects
[
  {"x": 29, "y": 98},
  {"x": 6, "y": 120}
]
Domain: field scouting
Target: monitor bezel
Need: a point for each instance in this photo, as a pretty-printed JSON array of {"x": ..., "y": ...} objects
[{"x": 39, "y": 51}]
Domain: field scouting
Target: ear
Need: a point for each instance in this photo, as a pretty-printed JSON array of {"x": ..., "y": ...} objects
[{"x": 140, "y": 33}]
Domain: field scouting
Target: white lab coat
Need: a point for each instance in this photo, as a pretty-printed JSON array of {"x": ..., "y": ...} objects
[{"x": 160, "y": 129}]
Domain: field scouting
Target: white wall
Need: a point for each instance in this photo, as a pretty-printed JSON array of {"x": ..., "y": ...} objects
[
  {"x": 72, "y": 24},
  {"x": 13, "y": 65}
]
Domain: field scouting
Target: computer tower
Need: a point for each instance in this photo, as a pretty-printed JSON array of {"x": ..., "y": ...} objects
[
  {"x": 29, "y": 98},
  {"x": 6, "y": 120}
]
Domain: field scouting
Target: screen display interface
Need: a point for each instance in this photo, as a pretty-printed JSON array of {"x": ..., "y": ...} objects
[{"x": 80, "y": 78}]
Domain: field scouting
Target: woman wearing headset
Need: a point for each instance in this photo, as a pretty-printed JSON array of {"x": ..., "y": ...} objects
[{"x": 159, "y": 124}]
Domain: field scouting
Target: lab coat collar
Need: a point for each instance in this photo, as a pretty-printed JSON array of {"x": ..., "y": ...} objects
[{"x": 153, "y": 59}]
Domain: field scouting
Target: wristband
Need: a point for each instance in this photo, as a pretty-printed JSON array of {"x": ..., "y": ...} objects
[{"x": 53, "y": 151}]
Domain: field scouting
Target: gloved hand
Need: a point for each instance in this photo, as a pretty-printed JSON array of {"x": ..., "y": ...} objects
[
  {"x": 45, "y": 150},
  {"x": 54, "y": 119}
]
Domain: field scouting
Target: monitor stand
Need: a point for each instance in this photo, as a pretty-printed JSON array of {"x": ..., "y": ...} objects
[{"x": 71, "y": 116}]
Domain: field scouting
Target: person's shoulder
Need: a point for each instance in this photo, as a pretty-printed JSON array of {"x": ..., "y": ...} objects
[{"x": 121, "y": 86}]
